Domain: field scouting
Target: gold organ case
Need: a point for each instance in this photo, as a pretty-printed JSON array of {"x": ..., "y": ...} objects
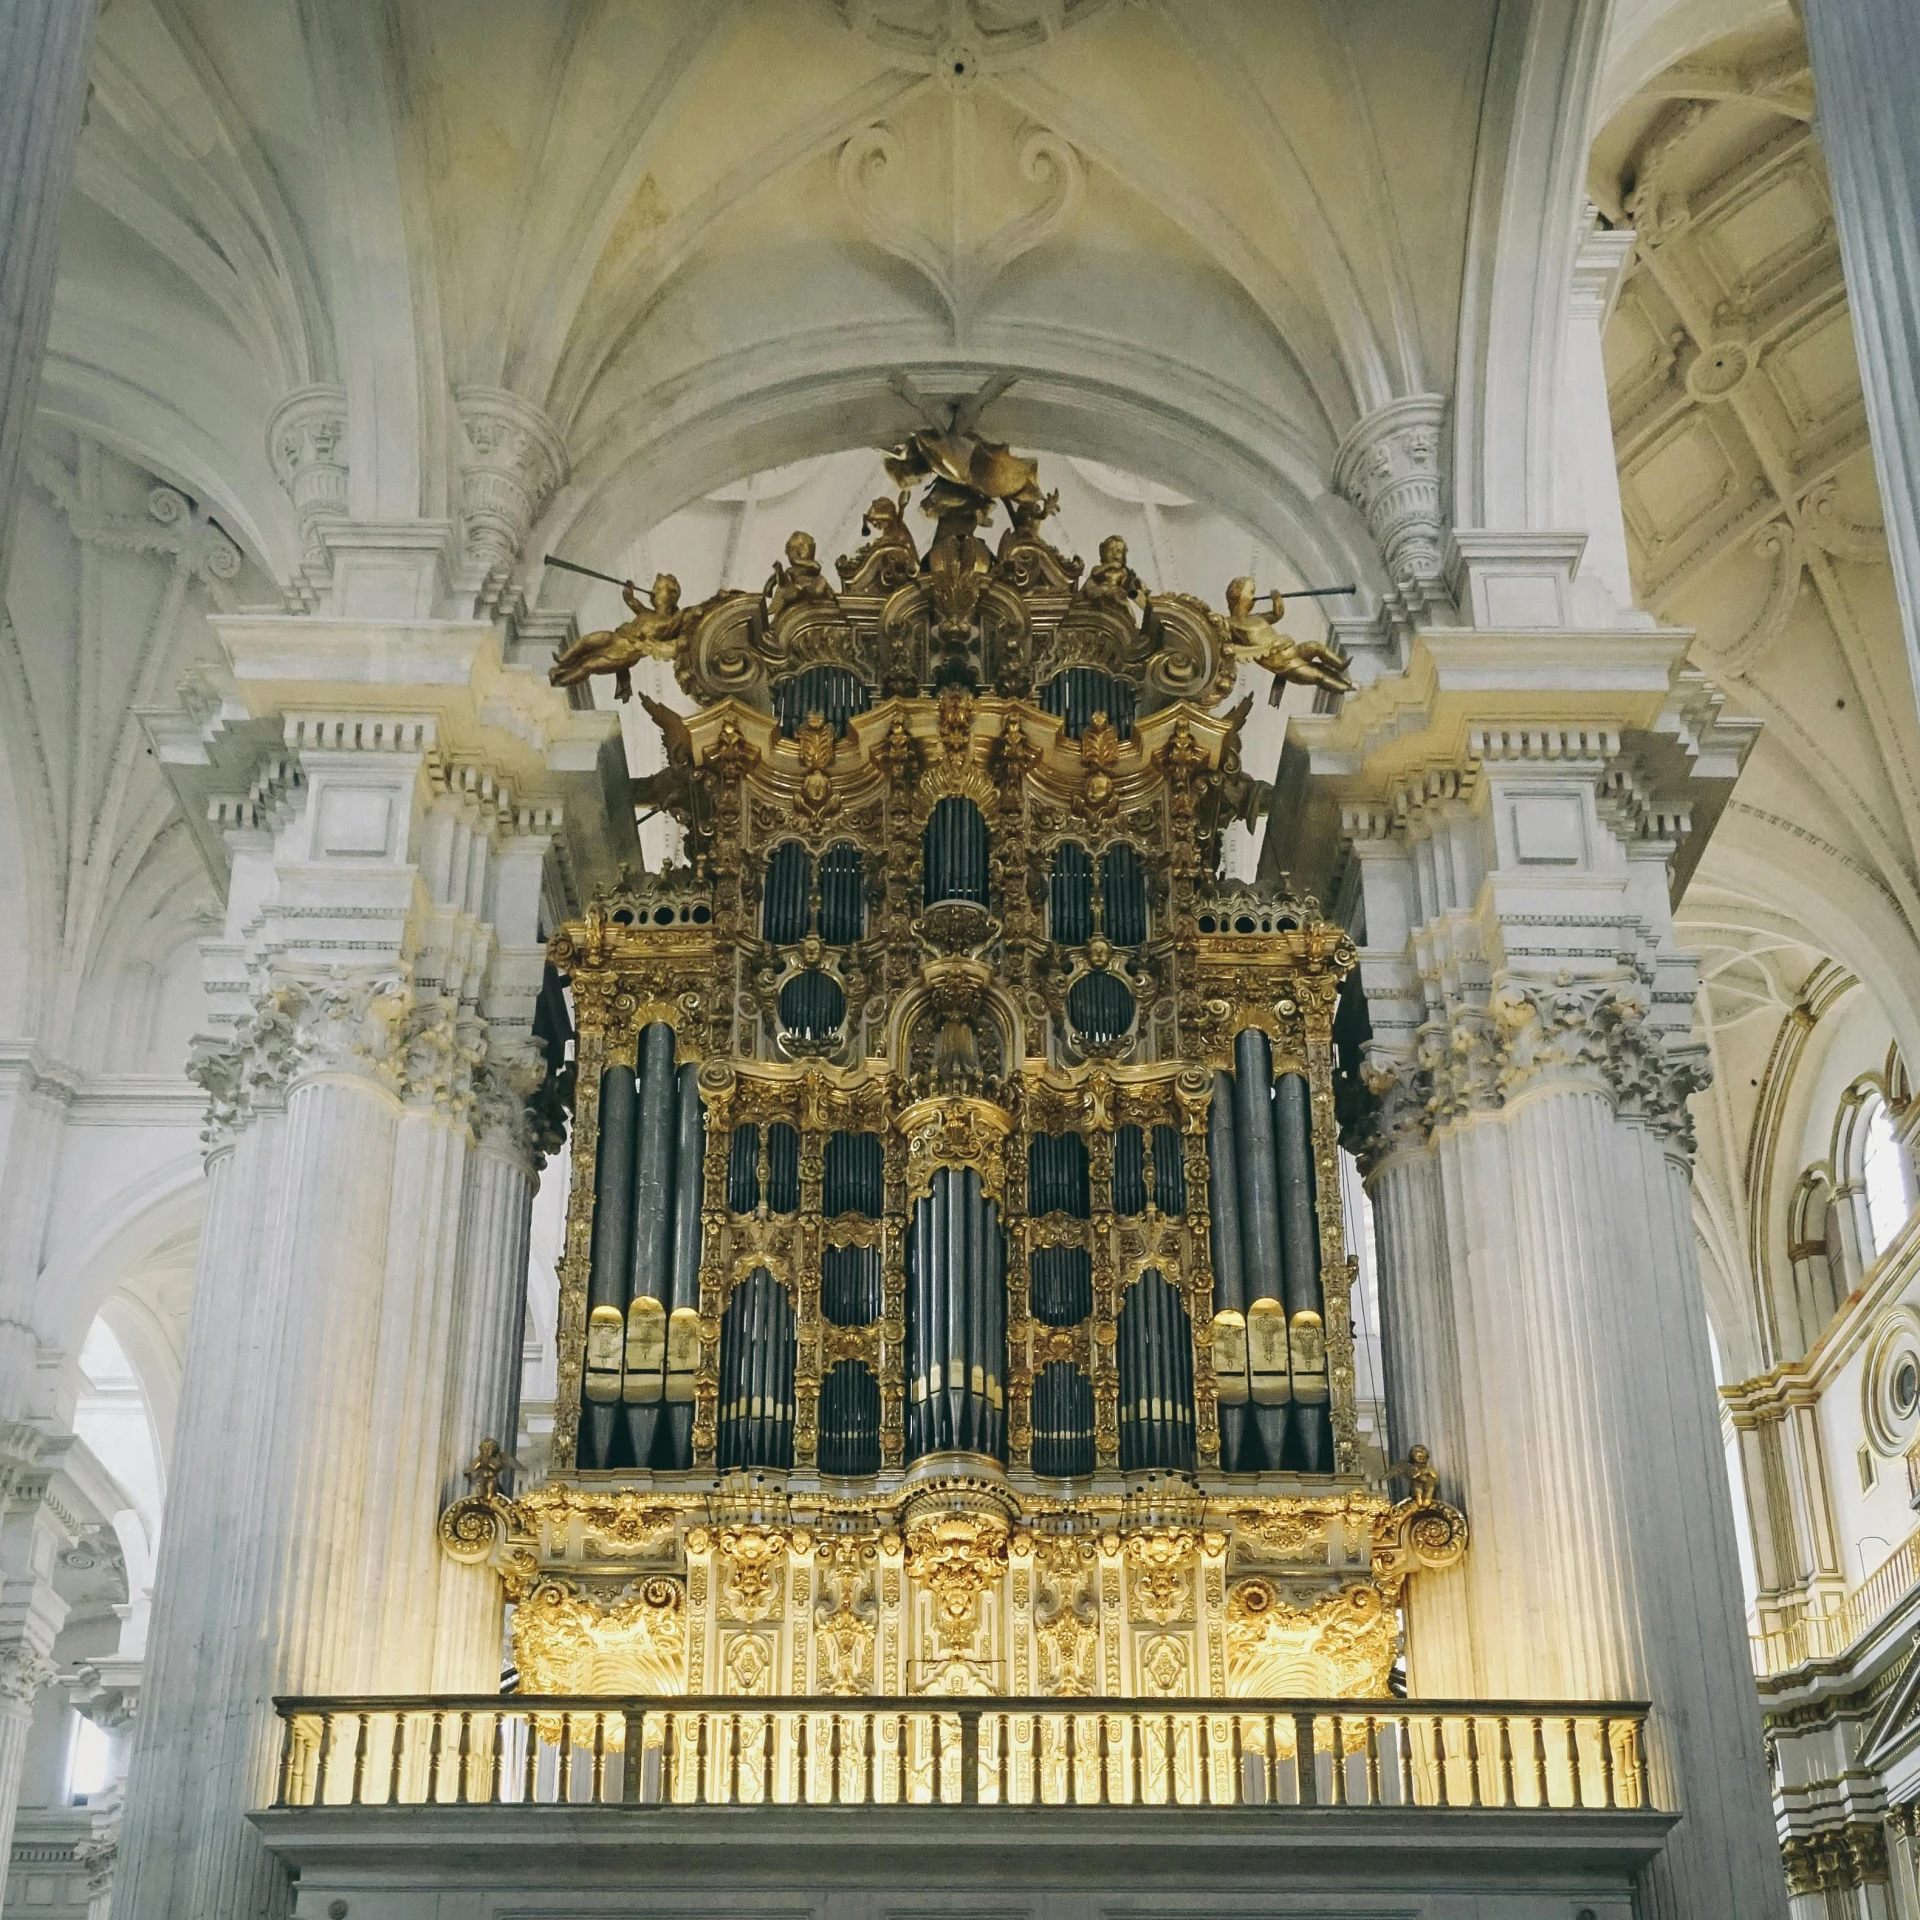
[{"x": 955, "y": 1295}]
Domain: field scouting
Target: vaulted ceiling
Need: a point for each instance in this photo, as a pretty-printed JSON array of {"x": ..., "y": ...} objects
[
  {"x": 696, "y": 237},
  {"x": 1753, "y": 518}
]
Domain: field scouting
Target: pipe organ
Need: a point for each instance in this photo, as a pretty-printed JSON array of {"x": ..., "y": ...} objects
[{"x": 955, "y": 1269}]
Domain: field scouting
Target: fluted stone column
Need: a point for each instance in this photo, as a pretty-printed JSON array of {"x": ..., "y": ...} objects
[
  {"x": 1528, "y": 1163},
  {"x": 43, "y": 88},
  {"x": 359, "y": 1304},
  {"x": 1866, "y": 71}
]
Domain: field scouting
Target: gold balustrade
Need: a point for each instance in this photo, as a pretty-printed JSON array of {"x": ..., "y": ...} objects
[
  {"x": 1831, "y": 1635},
  {"x": 511, "y": 1750}
]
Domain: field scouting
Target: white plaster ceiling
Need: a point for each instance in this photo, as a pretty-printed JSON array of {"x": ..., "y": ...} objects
[{"x": 1753, "y": 518}]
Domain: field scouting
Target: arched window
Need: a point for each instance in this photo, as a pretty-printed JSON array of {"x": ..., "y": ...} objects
[{"x": 1883, "y": 1173}]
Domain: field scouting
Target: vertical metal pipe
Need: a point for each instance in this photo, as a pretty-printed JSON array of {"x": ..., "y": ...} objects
[
  {"x": 1229, "y": 1277},
  {"x": 953, "y": 1196},
  {"x": 1299, "y": 1243},
  {"x": 979, "y": 1290},
  {"x": 1259, "y": 1200},
  {"x": 653, "y": 1195},
  {"x": 612, "y": 1229}
]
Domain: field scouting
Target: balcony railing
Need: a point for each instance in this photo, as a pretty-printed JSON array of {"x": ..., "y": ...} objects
[
  {"x": 1830, "y": 1635},
  {"x": 501, "y": 1750}
]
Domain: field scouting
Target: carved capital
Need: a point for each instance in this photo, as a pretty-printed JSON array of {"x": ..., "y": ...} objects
[
  {"x": 1593, "y": 1032},
  {"x": 305, "y": 435},
  {"x": 511, "y": 460},
  {"x": 1389, "y": 467},
  {"x": 24, "y": 1670}
]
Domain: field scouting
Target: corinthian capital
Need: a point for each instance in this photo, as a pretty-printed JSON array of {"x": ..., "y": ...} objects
[
  {"x": 511, "y": 460},
  {"x": 1597, "y": 1032},
  {"x": 24, "y": 1670}
]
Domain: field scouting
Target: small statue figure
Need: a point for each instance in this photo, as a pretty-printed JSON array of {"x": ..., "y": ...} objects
[
  {"x": 889, "y": 558},
  {"x": 800, "y": 578},
  {"x": 653, "y": 633},
  {"x": 1026, "y": 556},
  {"x": 1113, "y": 583},
  {"x": 1256, "y": 636}
]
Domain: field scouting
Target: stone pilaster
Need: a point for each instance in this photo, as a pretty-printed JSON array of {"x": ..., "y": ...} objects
[
  {"x": 43, "y": 88},
  {"x": 1529, "y": 1164},
  {"x": 1866, "y": 71},
  {"x": 370, "y": 1177}
]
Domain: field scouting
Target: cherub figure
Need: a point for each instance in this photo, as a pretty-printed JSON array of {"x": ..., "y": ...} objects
[
  {"x": 799, "y": 578},
  {"x": 1256, "y": 636},
  {"x": 653, "y": 633},
  {"x": 1113, "y": 583},
  {"x": 889, "y": 558},
  {"x": 1025, "y": 554}
]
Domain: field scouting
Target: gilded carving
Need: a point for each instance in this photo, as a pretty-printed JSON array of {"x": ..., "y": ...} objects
[
  {"x": 566, "y": 1641},
  {"x": 1340, "y": 1647}
]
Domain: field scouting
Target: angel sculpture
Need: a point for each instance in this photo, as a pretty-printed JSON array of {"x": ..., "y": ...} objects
[
  {"x": 796, "y": 579},
  {"x": 1256, "y": 636},
  {"x": 889, "y": 558},
  {"x": 1113, "y": 583},
  {"x": 653, "y": 633}
]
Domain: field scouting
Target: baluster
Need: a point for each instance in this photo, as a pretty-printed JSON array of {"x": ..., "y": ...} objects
[
  {"x": 1407, "y": 1798},
  {"x": 1304, "y": 1770},
  {"x": 498, "y": 1758},
  {"x": 1573, "y": 1762},
  {"x": 1606, "y": 1760},
  {"x": 565, "y": 1794},
  {"x": 1506, "y": 1761},
  {"x": 669, "y": 1755},
  {"x": 530, "y": 1768},
  {"x": 434, "y": 1746},
  {"x": 769, "y": 1769},
  {"x": 1339, "y": 1761},
  {"x": 466, "y": 1748},
  {"x": 702, "y": 1759},
  {"x": 1270, "y": 1758},
  {"x": 359, "y": 1758},
  {"x": 1106, "y": 1749},
  {"x": 1439, "y": 1731},
  {"x": 1373, "y": 1761},
  {"x": 285, "y": 1775},
  {"x": 1540, "y": 1761},
  {"x": 802, "y": 1756},
  {"x": 1637, "y": 1733},
  {"x": 633, "y": 1752},
  {"x": 326, "y": 1755},
  {"x": 1473, "y": 1760},
  {"x": 969, "y": 1756},
  {"x": 598, "y": 1795}
]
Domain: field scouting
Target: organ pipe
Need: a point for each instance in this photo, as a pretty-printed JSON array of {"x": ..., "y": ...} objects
[
  {"x": 1300, "y": 1270},
  {"x": 956, "y": 1322}
]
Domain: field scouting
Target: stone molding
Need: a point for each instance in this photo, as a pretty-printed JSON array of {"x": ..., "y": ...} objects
[{"x": 511, "y": 459}]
